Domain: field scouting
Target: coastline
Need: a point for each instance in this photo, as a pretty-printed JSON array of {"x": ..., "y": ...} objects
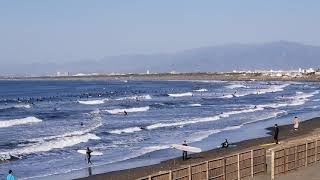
[
  {"x": 307, "y": 128},
  {"x": 179, "y": 76}
]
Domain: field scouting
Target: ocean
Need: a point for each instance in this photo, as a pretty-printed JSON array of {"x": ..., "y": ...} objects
[{"x": 44, "y": 123}]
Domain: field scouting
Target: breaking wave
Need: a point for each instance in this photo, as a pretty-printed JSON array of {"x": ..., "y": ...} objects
[
  {"x": 16, "y": 122},
  {"x": 92, "y": 102},
  {"x": 235, "y": 86},
  {"x": 271, "y": 89},
  {"x": 126, "y": 130},
  {"x": 44, "y": 144},
  {"x": 201, "y": 90},
  {"x": 181, "y": 94},
  {"x": 143, "y": 97},
  {"x": 58, "y": 143},
  {"x": 201, "y": 120},
  {"x": 129, "y": 110}
]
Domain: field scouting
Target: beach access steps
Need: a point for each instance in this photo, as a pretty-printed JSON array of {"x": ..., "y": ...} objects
[
  {"x": 234, "y": 167},
  {"x": 294, "y": 156}
]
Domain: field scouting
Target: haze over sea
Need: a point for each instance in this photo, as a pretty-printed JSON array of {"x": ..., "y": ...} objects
[{"x": 40, "y": 121}]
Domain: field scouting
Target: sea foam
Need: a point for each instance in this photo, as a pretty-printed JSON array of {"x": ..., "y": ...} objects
[{"x": 16, "y": 122}]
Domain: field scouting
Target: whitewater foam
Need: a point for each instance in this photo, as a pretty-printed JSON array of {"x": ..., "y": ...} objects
[
  {"x": 94, "y": 126},
  {"x": 16, "y": 122},
  {"x": 201, "y": 120},
  {"x": 57, "y": 143},
  {"x": 181, "y": 94},
  {"x": 125, "y": 130},
  {"x": 68, "y": 139},
  {"x": 93, "y": 102},
  {"x": 27, "y": 106},
  {"x": 142, "y": 97},
  {"x": 235, "y": 86},
  {"x": 271, "y": 89},
  {"x": 129, "y": 110},
  {"x": 201, "y": 90},
  {"x": 195, "y": 105}
]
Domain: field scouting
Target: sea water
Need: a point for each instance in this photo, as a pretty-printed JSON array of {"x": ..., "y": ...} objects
[{"x": 45, "y": 123}]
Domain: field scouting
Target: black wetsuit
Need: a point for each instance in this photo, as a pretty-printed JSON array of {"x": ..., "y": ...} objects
[
  {"x": 89, "y": 156},
  {"x": 276, "y": 134},
  {"x": 184, "y": 153}
]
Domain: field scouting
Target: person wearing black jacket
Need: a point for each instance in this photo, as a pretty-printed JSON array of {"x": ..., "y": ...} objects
[{"x": 276, "y": 133}]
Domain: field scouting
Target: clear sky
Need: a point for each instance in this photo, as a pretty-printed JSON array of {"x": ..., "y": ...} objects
[{"x": 71, "y": 30}]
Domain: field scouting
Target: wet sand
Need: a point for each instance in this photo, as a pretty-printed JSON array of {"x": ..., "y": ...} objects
[{"x": 286, "y": 133}]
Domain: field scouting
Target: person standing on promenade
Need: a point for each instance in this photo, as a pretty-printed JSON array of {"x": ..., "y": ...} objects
[
  {"x": 184, "y": 153},
  {"x": 10, "y": 176},
  {"x": 296, "y": 122},
  {"x": 276, "y": 133}
]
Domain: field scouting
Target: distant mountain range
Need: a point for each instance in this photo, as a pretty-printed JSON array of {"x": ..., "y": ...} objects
[{"x": 274, "y": 55}]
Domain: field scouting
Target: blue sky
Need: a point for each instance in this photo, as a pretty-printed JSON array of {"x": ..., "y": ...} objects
[{"x": 71, "y": 30}]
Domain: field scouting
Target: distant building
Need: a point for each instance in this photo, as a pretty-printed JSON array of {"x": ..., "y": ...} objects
[{"x": 62, "y": 74}]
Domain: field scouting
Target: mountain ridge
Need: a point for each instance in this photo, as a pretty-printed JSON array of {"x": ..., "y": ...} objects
[{"x": 272, "y": 55}]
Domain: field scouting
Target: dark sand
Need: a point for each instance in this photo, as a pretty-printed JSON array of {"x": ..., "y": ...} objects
[{"x": 286, "y": 133}]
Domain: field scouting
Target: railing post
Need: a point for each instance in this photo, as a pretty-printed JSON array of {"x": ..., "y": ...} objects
[
  {"x": 251, "y": 163},
  {"x": 239, "y": 166},
  {"x": 306, "y": 160},
  {"x": 272, "y": 164},
  {"x": 296, "y": 157},
  {"x": 170, "y": 175},
  {"x": 224, "y": 168},
  {"x": 265, "y": 161},
  {"x": 149, "y": 178},
  {"x": 285, "y": 159},
  {"x": 315, "y": 151},
  {"x": 207, "y": 172},
  {"x": 189, "y": 172}
]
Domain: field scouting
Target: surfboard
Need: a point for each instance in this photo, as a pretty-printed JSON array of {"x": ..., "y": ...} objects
[
  {"x": 268, "y": 144},
  {"x": 186, "y": 148},
  {"x": 230, "y": 146},
  {"x": 94, "y": 153}
]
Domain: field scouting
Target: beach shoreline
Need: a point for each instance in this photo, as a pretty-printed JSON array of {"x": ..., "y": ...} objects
[
  {"x": 307, "y": 128},
  {"x": 178, "y": 76}
]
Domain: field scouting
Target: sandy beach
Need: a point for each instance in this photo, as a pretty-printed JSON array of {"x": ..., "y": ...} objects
[
  {"x": 179, "y": 76},
  {"x": 307, "y": 128}
]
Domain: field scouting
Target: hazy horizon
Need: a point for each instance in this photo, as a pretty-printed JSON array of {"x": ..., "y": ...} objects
[{"x": 67, "y": 31}]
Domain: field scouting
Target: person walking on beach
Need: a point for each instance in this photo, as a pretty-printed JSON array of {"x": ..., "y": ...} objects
[
  {"x": 296, "y": 122},
  {"x": 184, "y": 153},
  {"x": 89, "y": 151},
  {"x": 276, "y": 133},
  {"x": 10, "y": 176}
]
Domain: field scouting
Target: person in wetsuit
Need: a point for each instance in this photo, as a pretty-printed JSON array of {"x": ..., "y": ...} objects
[
  {"x": 184, "y": 153},
  {"x": 276, "y": 133},
  {"x": 225, "y": 144},
  {"x": 89, "y": 151}
]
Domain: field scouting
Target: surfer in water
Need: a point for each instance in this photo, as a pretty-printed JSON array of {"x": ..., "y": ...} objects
[
  {"x": 184, "y": 153},
  {"x": 89, "y": 151},
  {"x": 125, "y": 113},
  {"x": 10, "y": 176}
]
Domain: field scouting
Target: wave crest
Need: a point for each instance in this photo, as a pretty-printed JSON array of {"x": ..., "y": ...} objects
[{"x": 16, "y": 122}]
